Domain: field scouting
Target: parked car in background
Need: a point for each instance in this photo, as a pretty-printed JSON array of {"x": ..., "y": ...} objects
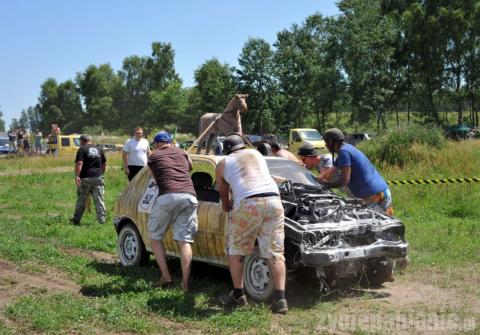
[
  {"x": 458, "y": 132},
  {"x": 63, "y": 144},
  {"x": 299, "y": 136},
  {"x": 356, "y": 138},
  {"x": 4, "y": 146},
  {"x": 338, "y": 238},
  {"x": 218, "y": 145}
]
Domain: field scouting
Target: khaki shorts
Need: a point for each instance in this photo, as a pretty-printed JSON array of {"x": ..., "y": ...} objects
[
  {"x": 258, "y": 219},
  {"x": 179, "y": 209}
]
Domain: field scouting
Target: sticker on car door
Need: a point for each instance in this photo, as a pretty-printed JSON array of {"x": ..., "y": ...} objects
[{"x": 148, "y": 198}]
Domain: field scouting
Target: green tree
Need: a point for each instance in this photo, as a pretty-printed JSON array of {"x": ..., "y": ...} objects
[
  {"x": 2, "y": 122},
  {"x": 367, "y": 40},
  {"x": 48, "y": 105},
  {"x": 216, "y": 86},
  {"x": 256, "y": 77},
  {"x": 292, "y": 71},
  {"x": 96, "y": 85}
]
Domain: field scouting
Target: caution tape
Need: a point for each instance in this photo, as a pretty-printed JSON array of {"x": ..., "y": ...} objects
[{"x": 433, "y": 181}]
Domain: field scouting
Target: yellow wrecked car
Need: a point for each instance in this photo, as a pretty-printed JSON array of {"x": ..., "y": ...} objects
[{"x": 337, "y": 237}]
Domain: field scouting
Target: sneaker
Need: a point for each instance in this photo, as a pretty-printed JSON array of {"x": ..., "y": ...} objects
[
  {"x": 280, "y": 306},
  {"x": 74, "y": 222},
  {"x": 230, "y": 300}
]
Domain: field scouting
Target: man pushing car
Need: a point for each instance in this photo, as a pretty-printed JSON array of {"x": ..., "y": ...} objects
[{"x": 255, "y": 213}]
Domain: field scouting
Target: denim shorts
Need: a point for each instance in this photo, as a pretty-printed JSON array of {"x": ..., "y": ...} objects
[
  {"x": 177, "y": 209},
  {"x": 383, "y": 202}
]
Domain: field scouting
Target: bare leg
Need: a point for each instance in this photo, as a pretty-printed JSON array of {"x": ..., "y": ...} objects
[
  {"x": 159, "y": 252},
  {"x": 278, "y": 273},
  {"x": 235, "y": 263},
  {"x": 186, "y": 261}
]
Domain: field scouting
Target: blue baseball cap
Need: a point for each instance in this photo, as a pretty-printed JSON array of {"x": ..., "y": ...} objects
[{"x": 162, "y": 136}]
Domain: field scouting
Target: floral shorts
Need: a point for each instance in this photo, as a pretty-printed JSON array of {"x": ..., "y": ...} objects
[{"x": 258, "y": 219}]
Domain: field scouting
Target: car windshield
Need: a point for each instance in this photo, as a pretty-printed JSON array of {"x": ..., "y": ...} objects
[
  {"x": 76, "y": 141},
  {"x": 220, "y": 139},
  {"x": 311, "y": 135},
  {"x": 254, "y": 138},
  {"x": 292, "y": 171},
  {"x": 3, "y": 142}
]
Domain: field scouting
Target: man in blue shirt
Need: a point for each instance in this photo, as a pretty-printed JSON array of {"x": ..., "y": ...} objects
[{"x": 357, "y": 172}]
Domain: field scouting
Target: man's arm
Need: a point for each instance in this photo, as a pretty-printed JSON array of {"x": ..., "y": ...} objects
[
  {"x": 325, "y": 177},
  {"x": 222, "y": 186},
  {"x": 190, "y": 164},
  {"x": 125, "y": 164},
  {"x": 78, "y": 169},
  {"x": 104, "y": 161}
]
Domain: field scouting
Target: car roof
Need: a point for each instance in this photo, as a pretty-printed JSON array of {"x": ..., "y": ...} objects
[{"x": 216, "y": 159}]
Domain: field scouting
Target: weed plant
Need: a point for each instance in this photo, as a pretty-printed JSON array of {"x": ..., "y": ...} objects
[{"x": 404, "y": 145}]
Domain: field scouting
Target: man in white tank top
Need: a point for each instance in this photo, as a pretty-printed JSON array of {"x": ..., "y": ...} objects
[{"x": 255, "y": 213}]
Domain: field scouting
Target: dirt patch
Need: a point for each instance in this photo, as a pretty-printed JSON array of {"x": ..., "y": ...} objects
[
  {"x": 100, "y": 256},
  {"x": 427, "y": 301},
  {"x": 15, "y": 282},
  {"x": 436, "y": 290}
]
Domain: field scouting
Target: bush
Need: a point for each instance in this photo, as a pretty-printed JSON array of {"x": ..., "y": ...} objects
[{"x": 403, "y": 145}]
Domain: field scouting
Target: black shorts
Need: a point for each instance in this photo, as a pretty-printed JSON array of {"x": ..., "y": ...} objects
[{"x": 134, "y": 169}]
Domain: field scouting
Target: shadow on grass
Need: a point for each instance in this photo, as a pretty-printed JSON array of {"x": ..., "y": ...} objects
[
  {"x": 180, "y": 305},
  {"x": 211, "y": 281},
  {"x": 204, "y": 278}
]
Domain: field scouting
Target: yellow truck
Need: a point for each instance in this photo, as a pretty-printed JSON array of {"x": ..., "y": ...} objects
[
  {"x": 299, "y": 136},
  {"x": 63, "y": 144}
]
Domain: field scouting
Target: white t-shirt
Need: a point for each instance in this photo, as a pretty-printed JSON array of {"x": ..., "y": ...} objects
[
  {"x": 136, "y": 151},
  {"x": 247, "y": 173}
]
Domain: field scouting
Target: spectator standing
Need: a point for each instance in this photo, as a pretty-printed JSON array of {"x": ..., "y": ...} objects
[
  {"x": 255, "y": 213},
  {"x": 12, "y": 141},
  {"x": 90, "y": 165},
  {"x": 26, "y": 141},
  {"x": 20, "y": 134},
  {"x": 38, "y": 142},
  {"x": 175, "y": 205},
  {"x": 135, "y": 154}
]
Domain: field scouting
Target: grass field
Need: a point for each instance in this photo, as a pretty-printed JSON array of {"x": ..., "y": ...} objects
[{"x": 58, "y": 278}]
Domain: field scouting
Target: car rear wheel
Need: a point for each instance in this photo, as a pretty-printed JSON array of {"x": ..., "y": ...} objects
[
  {"x": 257, "y": 277},
  {"x": 130, "y": 247}
]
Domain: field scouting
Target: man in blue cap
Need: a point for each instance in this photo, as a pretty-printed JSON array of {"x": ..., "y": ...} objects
[{"x": 175, "y": 205}]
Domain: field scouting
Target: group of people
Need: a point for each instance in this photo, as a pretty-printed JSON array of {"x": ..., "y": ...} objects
[
  {"x": 248, "y": 194},
  {"x": 19, "y": 141}
]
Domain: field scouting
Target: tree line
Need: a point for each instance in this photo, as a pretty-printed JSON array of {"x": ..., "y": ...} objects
[{"x": 376, "y": 57}]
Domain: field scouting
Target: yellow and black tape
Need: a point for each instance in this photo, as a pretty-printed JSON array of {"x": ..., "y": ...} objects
[{"x": 433, "y": 181}]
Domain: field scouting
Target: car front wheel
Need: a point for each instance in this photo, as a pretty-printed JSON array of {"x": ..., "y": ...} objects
[
  {"x": 257, "y": 277},
  {"x": 130, "y": 247}
]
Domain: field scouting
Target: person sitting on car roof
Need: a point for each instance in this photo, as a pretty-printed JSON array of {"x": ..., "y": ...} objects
[{"x": 357, "y": 172}]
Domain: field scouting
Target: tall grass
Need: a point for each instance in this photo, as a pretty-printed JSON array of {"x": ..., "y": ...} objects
[{"x": 404, "y": 145}]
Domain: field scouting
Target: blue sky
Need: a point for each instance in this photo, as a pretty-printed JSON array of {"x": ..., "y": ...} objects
[{"x": 41, "y": 39}]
